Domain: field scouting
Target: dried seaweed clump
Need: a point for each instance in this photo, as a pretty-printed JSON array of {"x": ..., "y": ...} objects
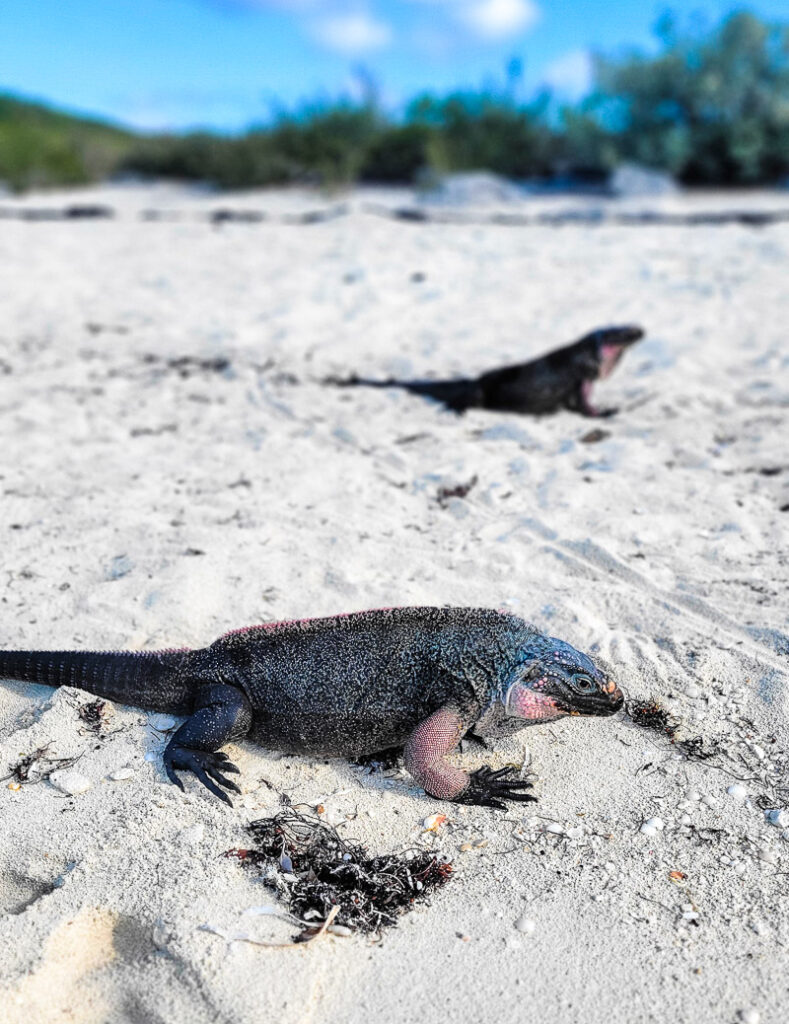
[
  {"x": 93, "y": 715},
  {"x": 650, "y": 714},
  {"x": 37, "y": 766},
  {"x": 321, "y": 871}
]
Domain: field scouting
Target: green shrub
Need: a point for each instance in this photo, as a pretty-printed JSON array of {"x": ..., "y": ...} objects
[
  {"x": 711, "y": 107},
  {"x": 398, "y": 154}
]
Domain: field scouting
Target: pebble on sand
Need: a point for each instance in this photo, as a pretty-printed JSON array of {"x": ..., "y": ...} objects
[
  {"x": 738, "y": 792},
  {"x": 162, "y": 723},
  {"x": 652, "y": 826},
  {"x": 70, "y": 782},
  {"x": 526, "y": 925}
]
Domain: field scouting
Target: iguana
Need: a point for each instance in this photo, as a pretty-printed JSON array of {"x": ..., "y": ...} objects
[
  {"x": 349, "y": 685},
  {"x": 561, "y": 379}
]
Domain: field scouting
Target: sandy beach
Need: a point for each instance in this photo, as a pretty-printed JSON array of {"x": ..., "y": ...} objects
[{"x": 172, "y": 467}]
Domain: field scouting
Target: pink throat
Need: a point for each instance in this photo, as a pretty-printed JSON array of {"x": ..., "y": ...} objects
[
  {"x": 533, "y": 707},
  {"x": 609, "y": 357}
]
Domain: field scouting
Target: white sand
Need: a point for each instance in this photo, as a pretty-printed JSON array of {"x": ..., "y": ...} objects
[{"x": 662, "y": 549}]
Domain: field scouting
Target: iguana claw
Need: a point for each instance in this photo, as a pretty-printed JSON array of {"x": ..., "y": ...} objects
[
  {"x": 485, "y": 786},
  {"x": 203, "y": 763}
]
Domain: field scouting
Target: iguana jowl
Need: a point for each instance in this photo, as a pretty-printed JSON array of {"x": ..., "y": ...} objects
[{"x": 349, "y": 685}]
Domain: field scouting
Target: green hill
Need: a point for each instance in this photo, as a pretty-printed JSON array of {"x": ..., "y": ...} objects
[{"x": 42, "y": 147}]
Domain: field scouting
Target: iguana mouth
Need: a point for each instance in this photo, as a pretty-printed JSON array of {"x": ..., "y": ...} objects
[{"x": 609, "y": 357}]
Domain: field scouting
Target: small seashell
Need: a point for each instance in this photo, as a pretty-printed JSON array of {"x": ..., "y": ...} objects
[
  {"x": 686, "y": 820},
  {"x": 694, "y": 795},
  {"x": 777, "y": 817},
  {"x": 71, "y": 783},
  {"x": 14, "y": 786},
  {"x": 554, "y": 828},
  {"x": 434, "y": 822},
  {"x": 162, "y": 723},
  {"x": 749, "y": 1016},
  {"x": 652, "y": 826},
  {"x": 526, "y": 925},
  {"x": 120, "y": 774},
  {"x": 340, "y": 929},
  {"x": 691, "y": 690},
  {"x": 738, "y": 792}
]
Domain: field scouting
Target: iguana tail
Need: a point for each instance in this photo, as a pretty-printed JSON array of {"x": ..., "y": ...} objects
[
  {"x": 153, "y": 680},
  {"x": 457, "y": 395}
]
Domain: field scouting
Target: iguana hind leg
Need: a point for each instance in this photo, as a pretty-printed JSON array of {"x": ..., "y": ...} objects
[{"x": 222, "y": 713}]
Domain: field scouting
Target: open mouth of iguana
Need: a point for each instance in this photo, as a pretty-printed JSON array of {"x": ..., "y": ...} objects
[{"x": 609, "y": 354}]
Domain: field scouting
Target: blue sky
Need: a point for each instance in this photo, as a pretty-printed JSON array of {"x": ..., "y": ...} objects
[{"x": 227, "y": 63}]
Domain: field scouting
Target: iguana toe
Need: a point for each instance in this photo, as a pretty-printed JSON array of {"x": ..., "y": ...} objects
[
  {"x": 488, "y": 788},
  {"x": 207, "y": 765}
]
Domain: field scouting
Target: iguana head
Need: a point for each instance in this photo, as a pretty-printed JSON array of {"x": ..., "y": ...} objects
[
  {"x": 594, "y": 357},
  {"x": 555, "y": 680}
]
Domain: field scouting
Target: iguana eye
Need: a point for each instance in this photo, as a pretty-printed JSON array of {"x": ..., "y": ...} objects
[{"x": 582, "y": 683}]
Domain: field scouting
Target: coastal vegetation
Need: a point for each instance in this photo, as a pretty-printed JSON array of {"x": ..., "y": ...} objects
[{"x": 710, "y": 107}]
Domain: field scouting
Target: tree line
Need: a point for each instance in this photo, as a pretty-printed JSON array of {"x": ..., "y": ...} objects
[{"x": 710, "y": 106}]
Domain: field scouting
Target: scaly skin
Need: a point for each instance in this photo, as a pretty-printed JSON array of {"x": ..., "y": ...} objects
[
  {"x": 562, "y": 379},
  {"x": 349, "y": 685}
]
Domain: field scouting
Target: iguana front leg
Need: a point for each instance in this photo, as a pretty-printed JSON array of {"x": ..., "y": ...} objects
[
  {"x": 425, "y": 751},
  {"x": 222, "y": 713}
]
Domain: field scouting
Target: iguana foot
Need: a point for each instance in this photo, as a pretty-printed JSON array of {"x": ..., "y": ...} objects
[
  {"x": 203, "y": 763},
  {"x": 485, "y": 786}
]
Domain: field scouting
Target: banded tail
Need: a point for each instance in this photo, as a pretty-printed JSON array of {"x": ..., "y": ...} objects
[
  {"x": 151, "y": 680},
  {"x": 457, "y": 395}
]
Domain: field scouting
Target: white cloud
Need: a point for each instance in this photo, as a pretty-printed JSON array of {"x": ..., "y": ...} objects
[
  {"x": 496, "y": 19},
  {"x": 571, "y": 74},
  {"x": 352, "y": 34}
]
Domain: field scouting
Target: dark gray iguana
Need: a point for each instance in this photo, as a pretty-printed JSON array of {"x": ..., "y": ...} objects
[
  {"x": 350, "y": 685},
  {"x": 561, "y": 379}
]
